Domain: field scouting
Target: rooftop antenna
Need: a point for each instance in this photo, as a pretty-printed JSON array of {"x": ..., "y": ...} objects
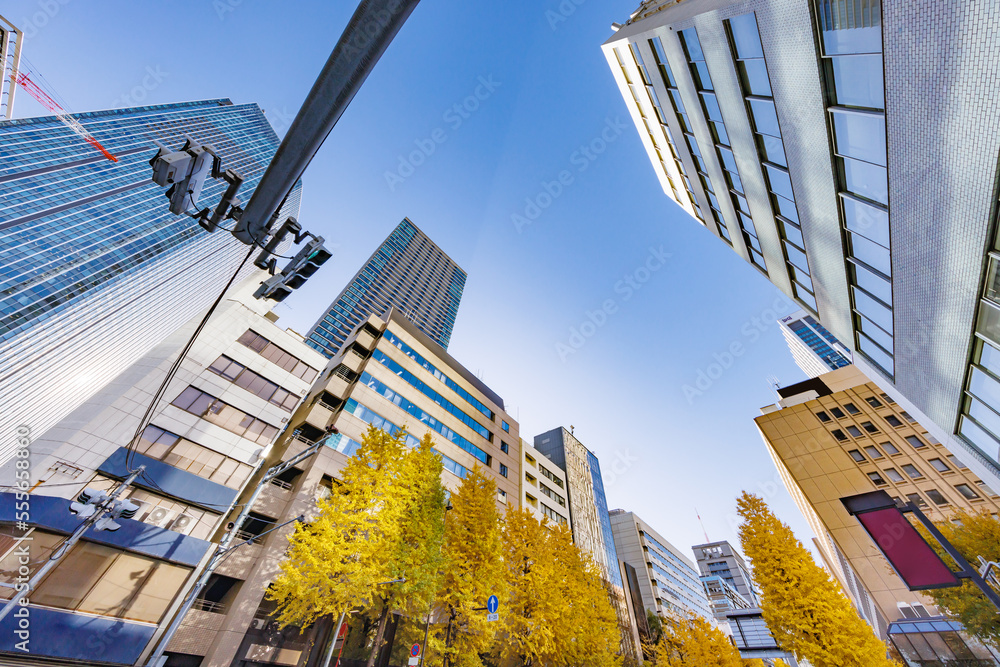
[
  {"x": 773, "y": 385},
  {"x": 702, "y": 525}
]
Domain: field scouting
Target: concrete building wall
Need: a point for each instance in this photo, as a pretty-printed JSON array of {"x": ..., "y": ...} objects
[{"x": 537, "y": 473}]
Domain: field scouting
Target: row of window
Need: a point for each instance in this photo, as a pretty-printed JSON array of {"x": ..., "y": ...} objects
[
  {"x": 979, "y": 422},
  {"x": 256, "y": 384},
  {"x": 220, "y": 413},
  {"x": 682, "y": 118},
  {"x": 548, "y": 474},
  {"x": 183, "y": 454},
  {"x": 552, "y": 494},
  {"x": 349, "y": 447},
  {"x": 851, "y": 50},
  {"x": 415, "y": 410},
  {"x": 278, "y": 356},
  {"x": 756, "y": 87}
]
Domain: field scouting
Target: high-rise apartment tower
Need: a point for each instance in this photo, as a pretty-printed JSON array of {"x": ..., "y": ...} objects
[{"x": 815, "y": 350}]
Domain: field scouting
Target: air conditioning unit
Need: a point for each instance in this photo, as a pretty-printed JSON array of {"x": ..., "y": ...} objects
[{"x": 259, "y": 623}]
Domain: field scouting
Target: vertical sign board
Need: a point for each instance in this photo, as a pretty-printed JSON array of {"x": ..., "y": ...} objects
[
  {"x": 492, "y": 605},
  {"x": 913, "y": 559}
]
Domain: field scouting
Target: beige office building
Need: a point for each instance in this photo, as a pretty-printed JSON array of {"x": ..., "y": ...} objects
[
  {"x": 543, "y": 486},
  {"x": 839, "y": 435},
  {"x": 388, "y": 374}
]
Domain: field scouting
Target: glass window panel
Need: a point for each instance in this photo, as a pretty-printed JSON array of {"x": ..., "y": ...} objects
[
  {"x": 876, "y": 334},
  {"x": 754, "y": 75},
  {"x": 872, "y": 283},
  {"x": 71, "y": 580},
  {"x": 675, "y": 95},
  {"x": 841, "y": 37},
  {"x": 889, "y": 448},
  {"x": 120, "y": 582},
  {"x": 712, "y": 109},
  {"x": 764, "y": 117},
  {"x": 702, "y": 78},
  {"x": 870, "y": 253},
  {"x": 773, "y": 149},
  {"x": 757, "y": 259},
  {"x": 728, "y": 159},
  {"x": 867, "y": 220},
  {"x": 781, "y": 184},
  {"x": 186, "y": 398},
  {"x": 719, "y": 133},
  {"x": 860, "y": 135},
  {"x": 866, "y": 180},
  {"x": 993, "y": 281},
  {"x": 876, "y": 354},
  {"x": 786, "y": 208},
  {"x": 747, "y": 222},
  {"x": 745, "y": 36},
  {"x": 980, "y": 438},
  {"x": 806, "y": 297},
  {"x": 985, "y": 387},
  {"x": 988, "y": 322},
  {"x": 857, "y": 81},
  {"x": 201, "y": 404},
  {"x": 793, "y": 234},
  {"x": 872, "y": 309},
  {"x": 894, "y": 475},
  {"x": 734, "y": 181},
  {"x": 797, "y": 257},
  {"x": 873, "y": 452},
  {"x": 158, "y": 592},
  {"x": 689, "y": 38},
  {"x": 741, "y": 204},
  {"x": 989, "y": 357}
]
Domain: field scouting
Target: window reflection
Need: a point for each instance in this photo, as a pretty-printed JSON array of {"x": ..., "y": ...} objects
[{"x": 860, "y": 134}]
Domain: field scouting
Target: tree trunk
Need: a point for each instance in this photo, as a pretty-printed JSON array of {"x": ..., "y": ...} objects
[{"x": 382, "y": 620}]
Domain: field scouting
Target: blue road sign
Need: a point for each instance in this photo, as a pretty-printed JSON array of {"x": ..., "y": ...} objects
[{"x": 493, "y": 604}]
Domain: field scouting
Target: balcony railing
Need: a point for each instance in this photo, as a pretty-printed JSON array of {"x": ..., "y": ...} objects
[{"x": 211, "y": 607}]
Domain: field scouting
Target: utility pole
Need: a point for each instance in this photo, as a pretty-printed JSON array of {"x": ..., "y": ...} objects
[
  {"x": 102, "y": 511},
  {"x": 157, "y": 657}
]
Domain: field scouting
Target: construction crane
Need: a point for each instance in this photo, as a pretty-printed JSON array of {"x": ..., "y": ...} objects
[{"x": 29, "y": 86}]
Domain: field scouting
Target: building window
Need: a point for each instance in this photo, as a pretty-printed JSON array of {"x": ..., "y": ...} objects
[
  {"x": 916, "y": 499},
  {"x": 870, "y": 427},
  {"x": 936, "y": 497},
  {"x": 503, "y": 470},
  {"x": 851, "y": 408},
  {"x": 224, "y": 415},
  {"x": 502, "y": 496},
  {"x": 873, "y": 452},
  {"x": 179, "y": 452},
  {"x": 907, "y": 417},
  {"x": 877, "y": 478},
  {"x": 893, "y": 421},
  {"x": 839, "y": 435},
  {"x": 503, "y": 447},
  {"x": 260, "y": 386},
  {"x": 822, "y": 416},
  {"x": 912, "y": 471},
  {"x": 887, "y": 399},
  {"x": 837, "y": 412},
  {"x": 986, "y": 490},
  {"x": 505, "y": 426},
  {"x": 958, "y": 464},
  {"x": 894, "y": 475},
  {"x": 967, "y": 491},
  {"x": 916, "y": 442},
  {"x": 874, "y": 402},
  {"x": 939, "y": 465},
  {"x": 277, "y": 356},
  {"x": 857, "y": 456},
  {"x": 889, "y": 448},
  {"x": 724, "y": 152},
  {"x": 552, "y": 494},
  {"x": 854, "y": 431}
]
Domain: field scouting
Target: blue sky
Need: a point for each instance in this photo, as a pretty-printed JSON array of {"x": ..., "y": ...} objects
[{"x": 596, "y": 314}]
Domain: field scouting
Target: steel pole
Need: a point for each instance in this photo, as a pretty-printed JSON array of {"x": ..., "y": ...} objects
[
  {"x": 366, "y": 37},
  {"x": 336, "y": 633}
]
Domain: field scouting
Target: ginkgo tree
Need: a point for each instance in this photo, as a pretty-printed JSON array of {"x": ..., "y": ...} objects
[
  {"x": 804, "y": 609},
  {"x": 376, "y": 541},
  {"x": 692, "y": 640}
]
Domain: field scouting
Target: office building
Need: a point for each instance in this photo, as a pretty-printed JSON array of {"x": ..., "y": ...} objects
[
  {"x": 591, "y": 523},
  {"x": 389, "y": 374},
  {"x": 815, "y": 350},
  {"x": 840, "y": 435},
  {"x": 96, "y": 270},
  {"x": 10, "y": 59},
  {"x": 790, "y": 129},
  {"x": 109, "y": 598},
  {"x": 543, "y": 487},
  {"x": 668, "y": 581},
  {"x": 726, "y": 578},
  {"x": 408, "y": 272}
]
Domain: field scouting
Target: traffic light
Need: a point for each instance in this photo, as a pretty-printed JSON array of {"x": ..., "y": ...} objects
[
  {"x": 300, "y": 268},
  {"x": 185, "y": 171},
  {"x": 120, "y": 509},
  {"x": 87, "y": 503}
]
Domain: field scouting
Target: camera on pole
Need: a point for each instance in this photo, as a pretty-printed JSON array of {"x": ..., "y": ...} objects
[
  {"x": 120, "y": 509},
  {"x": 185, "y": 171},
  {"x": 87, "y": 503}
]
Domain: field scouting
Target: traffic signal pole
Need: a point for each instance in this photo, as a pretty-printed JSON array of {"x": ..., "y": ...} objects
[
  {"x": 63, "y": 549},
  {"x": 366, "y": 37}
]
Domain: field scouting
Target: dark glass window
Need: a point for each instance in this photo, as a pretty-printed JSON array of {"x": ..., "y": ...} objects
[
  {"x": 873, "y": 452},
  {"x": 912, "y": 471},
  {"x": 916, "y": 442},
  {"x": 939, "y": 465},
  {"x": 854, "y": 430},
  {"x": 870, "y": 427},
  {"x": 837, "y": 412},
  {"x": 893, "y": 421},
  {"x": 851, "y": 408},
  {"x": 936, "y": 497},
  {"x": 877, "y": 478},
  {"x": 839, "y": 435},
  {"x": 967, "y": 491},
  {"x": 874, "y": 402}
]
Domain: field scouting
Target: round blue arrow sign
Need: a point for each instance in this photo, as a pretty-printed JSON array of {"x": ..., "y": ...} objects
[{"x": 493, "y": 604}]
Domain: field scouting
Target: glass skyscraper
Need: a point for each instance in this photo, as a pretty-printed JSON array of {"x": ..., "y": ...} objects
[
  {"x": 815, "y": 350},
  {"x": 408, "y": 271},
  {"x": 96, "y": 270}
]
